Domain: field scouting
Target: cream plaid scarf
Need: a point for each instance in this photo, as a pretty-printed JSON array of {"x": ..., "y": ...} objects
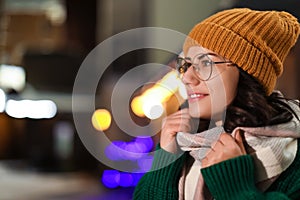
[{"x": 273, "y": 149}]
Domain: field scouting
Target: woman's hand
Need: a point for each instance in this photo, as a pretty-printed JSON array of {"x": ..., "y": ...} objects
[
  {"x": 179, "y": 121},
  {"x": 225, "y": 148}
]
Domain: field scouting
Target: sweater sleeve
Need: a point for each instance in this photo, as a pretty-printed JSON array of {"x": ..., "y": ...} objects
[
  {"x": 161, "y": 182},
  {"x": 234, "y": 179}
]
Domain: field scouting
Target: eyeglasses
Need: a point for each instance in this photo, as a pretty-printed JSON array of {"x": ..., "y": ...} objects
[{"x": 202, "y": 65}]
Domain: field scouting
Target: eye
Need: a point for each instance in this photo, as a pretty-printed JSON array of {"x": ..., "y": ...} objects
[{"x": 205, "y": 63}]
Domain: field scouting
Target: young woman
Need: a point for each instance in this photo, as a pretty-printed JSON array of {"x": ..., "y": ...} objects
[{"x": 240, "y": 138}]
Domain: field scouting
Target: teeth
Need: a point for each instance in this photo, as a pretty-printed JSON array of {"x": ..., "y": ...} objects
[{"x": 195, "y": 95}]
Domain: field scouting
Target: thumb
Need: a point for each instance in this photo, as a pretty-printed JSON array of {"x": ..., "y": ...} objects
[{"x": 240, "y": 141}]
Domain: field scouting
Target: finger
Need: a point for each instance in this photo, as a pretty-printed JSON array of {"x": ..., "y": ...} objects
[
  {"x": 231, "y": 143},
  {"x": 213, "y": 145},
  {"x": 180, "y": 122},
  {"x": 177, "y": 118},
  {"x": 217, "y": 146},
  {"x": 226, "y": 139},
  {"x": 240, "y": 141},
  {"x": 208, "y": 159},
  {"x": 181, "y": 112},
  {"x": 176, "y": 126},
  {"x": 184, "y": 110},
  {"x": 209, "y": 154},
  {"x": 204, "y": 162}
]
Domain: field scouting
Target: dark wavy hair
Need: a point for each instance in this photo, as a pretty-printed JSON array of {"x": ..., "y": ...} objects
[{"x": 253, "y": 108}]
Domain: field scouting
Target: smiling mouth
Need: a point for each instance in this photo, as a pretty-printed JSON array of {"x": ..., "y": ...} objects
[{"x": 197, "y": 96}]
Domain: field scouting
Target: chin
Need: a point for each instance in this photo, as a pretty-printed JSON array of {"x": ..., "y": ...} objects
[{"x": 195, "y": 113}]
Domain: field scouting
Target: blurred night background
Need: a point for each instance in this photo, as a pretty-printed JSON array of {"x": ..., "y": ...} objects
[{"x": 42, "y": 46}]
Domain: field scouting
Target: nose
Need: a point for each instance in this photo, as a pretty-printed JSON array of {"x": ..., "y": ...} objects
[{"x": 189, "y": 77}]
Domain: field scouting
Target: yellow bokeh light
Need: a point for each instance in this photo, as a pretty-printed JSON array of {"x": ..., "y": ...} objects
[
  {"x": 171, "y": 81},
  {"x": 101, "y": 119},
  {"x": 158, "y": 94},
  {"x": 137, "y": 106}
]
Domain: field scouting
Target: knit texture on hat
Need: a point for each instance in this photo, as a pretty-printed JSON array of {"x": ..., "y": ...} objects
[{"x": 257, "y": 41}]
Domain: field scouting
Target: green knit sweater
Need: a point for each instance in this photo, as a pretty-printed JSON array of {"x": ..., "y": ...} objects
[{"x": 230, "y": 179}]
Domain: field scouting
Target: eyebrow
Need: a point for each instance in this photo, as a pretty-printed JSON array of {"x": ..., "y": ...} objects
[
  {"x": 202, "y": 55},
  {"x": 187, "y": 58}
]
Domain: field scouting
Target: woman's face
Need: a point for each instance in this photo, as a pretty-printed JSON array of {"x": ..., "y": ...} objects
[{"x": 208, "y": 99}]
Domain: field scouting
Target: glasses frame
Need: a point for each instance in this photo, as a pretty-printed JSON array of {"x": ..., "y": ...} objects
[{"x": 182, "y": 68}]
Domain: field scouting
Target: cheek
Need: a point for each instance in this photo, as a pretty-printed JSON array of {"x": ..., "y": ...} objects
[
  {"x": 222, "y": 93},
  {"x": 230, "y": 96},
  {"x": 231, "y": 89}
]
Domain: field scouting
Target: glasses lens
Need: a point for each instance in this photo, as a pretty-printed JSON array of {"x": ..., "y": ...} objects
[
  {"x": 181, "y": 66},
  {"x": 203, "y": 66}
]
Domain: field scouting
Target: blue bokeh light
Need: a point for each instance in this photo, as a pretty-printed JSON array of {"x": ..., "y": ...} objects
[
  {"x": 147, "y": 141},
  {"x": 111, "y": 178},
  {"x": 115, "y": 151},
  {"x": 137, "y": 151},
  {"x": 114, "y": 178},
  {"x": 126, "y": 179},
  {"x": 133, "y": 150}
]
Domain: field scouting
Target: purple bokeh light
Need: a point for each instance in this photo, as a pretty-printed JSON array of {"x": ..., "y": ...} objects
[{"x": 111, "y": 178}]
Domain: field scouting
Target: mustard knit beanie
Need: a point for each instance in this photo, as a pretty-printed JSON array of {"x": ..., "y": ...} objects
[{"x": 257, "y": 41}]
